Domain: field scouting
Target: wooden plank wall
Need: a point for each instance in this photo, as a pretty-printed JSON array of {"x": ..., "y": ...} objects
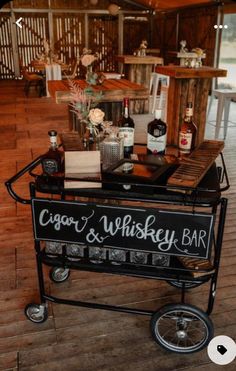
[
  {"x": 176, "y": 26},
  {"x": 202, "y": 21},
  {"x": 7, "y": 69},
  {"x": 69, "y": 35},
  {"x": 30, "y": 37},
  {"x": 136, "y": 29},
  {"x": 103, "y": 38}
]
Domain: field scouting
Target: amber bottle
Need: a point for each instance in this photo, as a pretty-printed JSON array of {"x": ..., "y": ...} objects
[
  {"x": 188, "y": 130},
  {"x": 52, "y": 162}
]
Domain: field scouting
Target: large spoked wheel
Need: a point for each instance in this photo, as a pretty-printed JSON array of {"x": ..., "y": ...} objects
[
  {"x": 36, "y": 313},
  {"x": 181, "y": 328},
  {"x": 187, "y": 285},
  {"x": 59, "y": 274}
]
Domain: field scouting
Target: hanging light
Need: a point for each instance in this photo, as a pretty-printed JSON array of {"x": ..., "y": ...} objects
[
  {"x": 93, "y": 2},
  {"x": 113, "y": 9}
]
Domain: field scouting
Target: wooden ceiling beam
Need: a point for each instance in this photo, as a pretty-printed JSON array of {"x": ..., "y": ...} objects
[{"x": 139, "y": 5}]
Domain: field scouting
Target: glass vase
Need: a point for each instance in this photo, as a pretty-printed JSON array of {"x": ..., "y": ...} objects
[
  {"x": 91, "y": 77},
  {"x": 112, "y": 150},
  {"x": 92, "y": 139}
]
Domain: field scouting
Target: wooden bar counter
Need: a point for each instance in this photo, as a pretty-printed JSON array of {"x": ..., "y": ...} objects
[
  {"x": 188, "y": 85},
  {"x": 112, "y": 90}
]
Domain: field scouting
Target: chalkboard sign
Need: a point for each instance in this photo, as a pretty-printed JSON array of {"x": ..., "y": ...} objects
[{"x": 147, "y": 229}]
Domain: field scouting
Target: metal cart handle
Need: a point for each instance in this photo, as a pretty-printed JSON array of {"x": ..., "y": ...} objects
[{"x": 18, "y": 175}]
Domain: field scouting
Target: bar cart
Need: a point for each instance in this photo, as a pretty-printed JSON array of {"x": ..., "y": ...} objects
[{"x": 137, "y": 228}]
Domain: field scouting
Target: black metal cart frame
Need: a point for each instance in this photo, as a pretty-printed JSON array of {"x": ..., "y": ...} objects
[{"x": 206, "y": 195}]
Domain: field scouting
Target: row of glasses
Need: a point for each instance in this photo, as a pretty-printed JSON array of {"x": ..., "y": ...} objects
[
  {"x": 119, "y": 256},
  {"x": 98, "y": 254},
  {"x": 73, "y": 251}
]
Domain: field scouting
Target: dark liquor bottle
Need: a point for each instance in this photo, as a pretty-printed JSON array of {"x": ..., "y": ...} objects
[
  {"x": 188, "y": 130},
  {"x": 156, "y": 135},
  {"x": 126, "y": 130},
  {"x": 52, "y": 160}
]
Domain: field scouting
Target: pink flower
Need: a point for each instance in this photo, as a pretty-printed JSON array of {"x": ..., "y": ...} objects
[
  {"x": 96, "y": 116},
  {"x": 87, "y": 59}
]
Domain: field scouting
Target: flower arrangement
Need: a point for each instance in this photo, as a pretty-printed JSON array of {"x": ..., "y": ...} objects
[
  {"x": 96, "y": 118},
  {"x": 83, "y": 103},
  {"x": 87, "y": 60},
  {"x": 47, "y": 55}
]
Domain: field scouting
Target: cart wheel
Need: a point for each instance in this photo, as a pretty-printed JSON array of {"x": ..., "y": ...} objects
[
  {"x": 58, "y": 274},
  {"x": 188, "y": 285},
  {"x": 181, "y": 328},
  {"x": 36, "y": 313}
]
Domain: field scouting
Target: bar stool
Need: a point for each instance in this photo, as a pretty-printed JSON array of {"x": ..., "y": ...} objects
[
  {"x": 224, "y": 99},
  {"x": 155, "y": 79}
]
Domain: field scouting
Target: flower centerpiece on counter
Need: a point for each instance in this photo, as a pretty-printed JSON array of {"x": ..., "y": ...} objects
[
  {"x": 95, "y": 120},
  {"x": 83, "y": 103},
  {"x": 87, "y": 60}
]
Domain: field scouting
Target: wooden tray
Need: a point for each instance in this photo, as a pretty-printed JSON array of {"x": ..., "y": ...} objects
[
  {"x": 197, "y": 267},
  {"x": 193, "y": 168}
]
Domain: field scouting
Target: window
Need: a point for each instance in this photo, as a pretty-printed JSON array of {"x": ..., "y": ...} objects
[{"x": 228, "y": 52}]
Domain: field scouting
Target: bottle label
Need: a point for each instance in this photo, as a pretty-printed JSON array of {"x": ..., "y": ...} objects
[
  {"x": 50, "y": 166},
  {"x": 127, "y": 134},
  {"x": 185, "y": 141},
  {"x": 53, "y": 140},
  {"x": 156, "y": 144},
  {"x": 126, "y": 112},
  {"x": 189, "y": 111}
]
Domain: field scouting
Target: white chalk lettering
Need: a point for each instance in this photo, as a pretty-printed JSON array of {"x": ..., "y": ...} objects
[
  {"x": 58, "y": 220},
  {"x": 93, "y": 236},
  {"x": 194, "y": 238},
  {"x": 129, "y": 228}
]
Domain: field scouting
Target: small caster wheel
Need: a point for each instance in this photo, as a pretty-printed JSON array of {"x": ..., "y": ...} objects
[
  {"x": 181, "y": 328},
  {"x": 36, "y": 313},
  {"x": 188, "y": 285},
  {"x": 59, "y": 274}
]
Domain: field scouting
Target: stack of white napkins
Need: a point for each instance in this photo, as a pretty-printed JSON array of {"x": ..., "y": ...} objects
[
  {"x": 84, "y": 166},
  {"x": 112, "y": 75}
]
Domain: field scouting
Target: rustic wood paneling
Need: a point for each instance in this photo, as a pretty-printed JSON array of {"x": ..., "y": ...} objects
[
  {"x": 103, "y": 38},
  {"x": 195, "y": 25},
  {"x": 30, "y": 37},
  {"x": 157, "y": 36},
  {"x": 7, "y": 70},
  {"x": 164, "y": 31},
  {"x": 43, "y": 4},
  {"x": 68, "y": 35},
  {"x": 136, "y": 29},
  {"x": 201, "y": 21},
  {"x": 170, "y": 38}
]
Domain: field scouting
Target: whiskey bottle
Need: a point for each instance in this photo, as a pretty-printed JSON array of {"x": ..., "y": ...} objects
[
  {"x": 52, "y": 160},
  {"x": 156, "y": 135},
  {"x": 187, "y": 134},
  {"x": 126, "y": 130}
]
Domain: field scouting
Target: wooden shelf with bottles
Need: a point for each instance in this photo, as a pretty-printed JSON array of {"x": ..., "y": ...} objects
[{"x": 188, "y": 85}]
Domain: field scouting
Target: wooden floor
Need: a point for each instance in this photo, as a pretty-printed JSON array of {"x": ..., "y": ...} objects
[{"x": 78, "y": 338}]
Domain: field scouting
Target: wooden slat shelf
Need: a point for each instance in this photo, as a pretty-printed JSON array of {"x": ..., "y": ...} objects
[
  {"x": 197, "y": 267},
  {"x": 193, "y": 168}
]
